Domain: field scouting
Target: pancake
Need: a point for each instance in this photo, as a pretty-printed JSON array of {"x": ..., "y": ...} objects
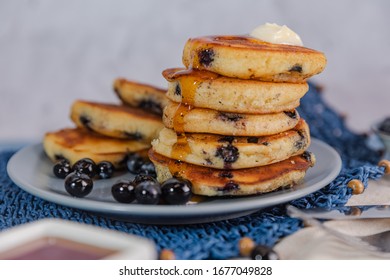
[
  {"x": 77, "y": 143},
  {"x": 214, "y": 182},
  {"x": 206, "y": 89},
  {"x": 139, "y": 95},
  {"x": 184, "y": 118},
  {"x": 229, "y": 152},
  {"x": 246, "y": 57},
  {"x": 116, "y": 120}
]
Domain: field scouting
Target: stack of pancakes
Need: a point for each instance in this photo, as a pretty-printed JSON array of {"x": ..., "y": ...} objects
[
  {"x": 109, "y": 132},
  {"x": 231, "y": 125}
]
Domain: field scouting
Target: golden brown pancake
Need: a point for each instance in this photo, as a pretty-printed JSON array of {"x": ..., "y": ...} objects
[
  {"x": 117, "y": 121},
  {"x": 205, "y": 89},
  {"x": 184, "y": 118},
  {"x": 215, "y": 182},
  {"x": 139, "y": 95},
  {"x": 229, "y": 152},
  {"x": 77, "y": 143},
  {"x": 246, "y": 57}
]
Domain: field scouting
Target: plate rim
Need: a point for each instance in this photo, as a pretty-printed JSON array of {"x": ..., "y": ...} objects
[{"x": 236, "y": 205}]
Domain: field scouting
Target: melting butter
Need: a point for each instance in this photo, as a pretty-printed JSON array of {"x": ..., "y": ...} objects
[{"x": 276, "y": 34}]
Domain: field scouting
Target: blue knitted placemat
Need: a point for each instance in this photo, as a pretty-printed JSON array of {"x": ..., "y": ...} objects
[{"x": 219, "y": 240}]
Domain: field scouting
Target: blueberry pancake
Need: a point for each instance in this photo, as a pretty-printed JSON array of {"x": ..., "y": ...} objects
[
  {"x": 246, "y": 57},
  {"x": 249, "y": 181},
  {"x": 77, "y": 143},
  {"x": 117, "y": 121},
  {"x": 143, "y": 96},
  {"x": 206, "y": 89},
  {"x": 184, "y": 118},
  {"x": 229, "y": 152}
]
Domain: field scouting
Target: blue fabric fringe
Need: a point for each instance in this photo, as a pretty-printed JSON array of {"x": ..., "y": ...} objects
[{"x": 219, "y": 240}]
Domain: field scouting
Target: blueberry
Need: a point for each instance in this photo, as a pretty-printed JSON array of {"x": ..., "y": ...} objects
[
  {"x": 229, "y": 187},
  {"x": 86, "y": 122},
  {"x": 123, "y": 191},
  {"x": 306, "y": 156},
  {"x": 143, "y": 178},
  {"x": 62, "y": 169},
  {"x": 296, "y": 68},
  {"x": 148, "y": 168},
  {"x": 105, "y": 169},
  {"x": 291, "y": 114},
  {"x": 178, "y": 90},
  {"x": 134, "y": 163},
  {"x": 260, "y": 252},
  {"x": 86, "y": 166},
  {"x": 228, "y": 153},
  {"x": 148, "y": 192},
  {"x": 78, "y": 184},
  {"x": 229, "y": 117},
  {"x": 176, "y": 191},
  {"x": 150, "y": 105},
  {"x": 206, "y": 57}
]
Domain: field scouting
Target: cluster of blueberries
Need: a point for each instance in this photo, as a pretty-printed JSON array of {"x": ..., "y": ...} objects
[
  {"x": 79, "y": 177},
  {"x": 143, "y": 189}
]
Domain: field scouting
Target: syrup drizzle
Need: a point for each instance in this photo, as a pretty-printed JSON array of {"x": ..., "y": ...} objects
[
  {"x": 189, "y": 82},
  {"x": 181, "y": 148}
]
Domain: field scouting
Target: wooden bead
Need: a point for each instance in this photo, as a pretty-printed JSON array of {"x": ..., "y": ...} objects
[
  {"x": 166, "y": 254},
  {"x": 356, "y": 186},
  {"x": 246, "y": 246},
  {"x": 307, "y": 224},
  {"x": 386, "y": 164},
  {"x": 355, "y": 211}
]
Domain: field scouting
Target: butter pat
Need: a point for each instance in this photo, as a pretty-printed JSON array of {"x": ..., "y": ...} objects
[{"x": 276, "y": 34}]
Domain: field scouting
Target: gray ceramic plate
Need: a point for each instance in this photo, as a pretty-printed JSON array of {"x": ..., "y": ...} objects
[{"x": 31, "y": 170}]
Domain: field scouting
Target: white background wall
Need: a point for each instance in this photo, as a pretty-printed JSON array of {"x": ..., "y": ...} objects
[{"x": 53, "y": 52}]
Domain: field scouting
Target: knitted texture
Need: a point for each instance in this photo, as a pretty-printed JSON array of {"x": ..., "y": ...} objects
[{"x": 219, "y": 240}]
